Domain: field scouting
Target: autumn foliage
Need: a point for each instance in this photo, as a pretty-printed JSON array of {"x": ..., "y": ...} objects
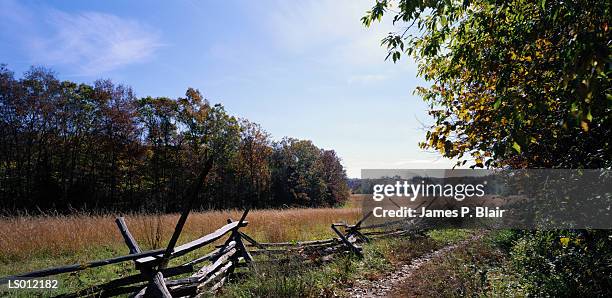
[
  {"x": 98, "y": 147},
  {"x": 512, "y": 83}
]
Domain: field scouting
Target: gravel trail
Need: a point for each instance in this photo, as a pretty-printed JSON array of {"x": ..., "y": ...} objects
[{"x": 383, "y": 287}]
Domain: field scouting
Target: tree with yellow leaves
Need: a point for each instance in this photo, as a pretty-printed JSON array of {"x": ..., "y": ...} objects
[{"x": 513, "y": 83}]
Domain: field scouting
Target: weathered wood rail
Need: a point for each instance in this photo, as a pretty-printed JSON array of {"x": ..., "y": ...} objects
[
  {"x": 155, "y": 277},
  {"x": 349, "y": 239}
]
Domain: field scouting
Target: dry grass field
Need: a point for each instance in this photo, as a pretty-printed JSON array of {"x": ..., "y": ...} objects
[
  {"x": 357, "y": 200},
  {"x": 34, "y": 242},
  {"x": 24, "y": 237},
  {"x": 39, "y": 241}
]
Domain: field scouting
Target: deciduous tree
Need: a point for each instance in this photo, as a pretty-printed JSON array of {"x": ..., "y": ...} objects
[{"x": 518, "y": 83}]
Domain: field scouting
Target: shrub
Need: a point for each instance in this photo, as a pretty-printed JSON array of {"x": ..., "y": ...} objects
[{"x": 565, "y": 263}]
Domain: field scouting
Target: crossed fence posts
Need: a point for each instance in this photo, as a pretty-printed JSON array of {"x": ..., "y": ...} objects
[
  {"x": 154, "y": 277},
  {"x": 153, "y": 269}
]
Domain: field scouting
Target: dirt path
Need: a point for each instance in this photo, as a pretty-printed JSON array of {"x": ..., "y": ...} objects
[{"x": 383, "y": 287}]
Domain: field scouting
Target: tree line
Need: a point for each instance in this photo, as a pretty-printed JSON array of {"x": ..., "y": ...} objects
[{"x": 67, "y": 145}]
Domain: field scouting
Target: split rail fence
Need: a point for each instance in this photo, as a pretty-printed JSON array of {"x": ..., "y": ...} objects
[{"x": 155, "y": 276}]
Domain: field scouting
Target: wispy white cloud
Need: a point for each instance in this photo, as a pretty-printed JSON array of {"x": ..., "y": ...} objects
[
  {"x": 304, "y": 25},
  {"x": 332, "y": 32},
  {"x": 94, "y": 42},
  {"x": 87, "y": 43}
]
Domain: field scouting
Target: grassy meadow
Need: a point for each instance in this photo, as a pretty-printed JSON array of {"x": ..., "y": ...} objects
[
  {"x": 30, "y": 243},
  {"x": 35, "y": 242}
]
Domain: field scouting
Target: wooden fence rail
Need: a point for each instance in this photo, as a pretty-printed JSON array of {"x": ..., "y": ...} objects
[
  {"x": 154, "y": 277},
  {"x": 349, "y": 239}
]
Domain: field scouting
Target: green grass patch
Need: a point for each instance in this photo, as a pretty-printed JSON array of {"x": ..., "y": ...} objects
[
  {"x": 449, "y": 236},
  {"x": 286, "y": 277},
  {"x": 291, "y": 278}
]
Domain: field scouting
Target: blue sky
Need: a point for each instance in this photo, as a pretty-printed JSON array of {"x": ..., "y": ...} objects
[{"x": 305, "y": 69}]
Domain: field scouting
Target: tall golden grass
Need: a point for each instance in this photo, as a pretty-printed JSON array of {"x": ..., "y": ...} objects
[{"x": 26, "y": 237}]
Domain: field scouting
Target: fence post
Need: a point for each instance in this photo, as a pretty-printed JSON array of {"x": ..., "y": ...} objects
[
  {"x": 127, "y": 236},
  {"x": 348, "y": 243},
  {"x": 157, "y": 286},
  {"x": 354, "y": 230},
  {"x": 237, "y": 236},
  {"x": 148, "y": 263}
]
